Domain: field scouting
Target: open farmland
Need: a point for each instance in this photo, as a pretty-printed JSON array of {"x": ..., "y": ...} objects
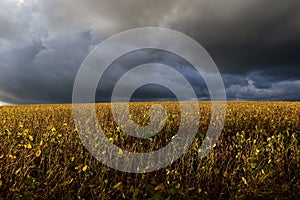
[{"x": 257, "y": 156}]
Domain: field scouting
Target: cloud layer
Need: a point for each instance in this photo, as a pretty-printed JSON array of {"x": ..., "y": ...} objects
[{"x": 255, "y": 44}]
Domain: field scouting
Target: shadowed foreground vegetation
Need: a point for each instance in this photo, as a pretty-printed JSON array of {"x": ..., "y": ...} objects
[{"x": 257, "y": 156}]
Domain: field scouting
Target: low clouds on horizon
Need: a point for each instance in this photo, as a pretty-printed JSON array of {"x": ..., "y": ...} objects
[{"x": 255, "y": 44}]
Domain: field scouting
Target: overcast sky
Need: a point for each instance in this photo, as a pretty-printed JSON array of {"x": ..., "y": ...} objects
[{"x": 254, "y": 43}]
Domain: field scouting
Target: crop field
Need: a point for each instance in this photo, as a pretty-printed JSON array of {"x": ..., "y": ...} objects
[{"x": 257, "y": 155}]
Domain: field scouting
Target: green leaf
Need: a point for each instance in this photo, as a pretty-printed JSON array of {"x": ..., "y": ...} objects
[
  {"x": 104, "y": 169},
  {"x": 216, "y": 170},
  {"x": 191, "y": 188},
  {"x": 254, "y": 163},
  {"x": 149, "y": 187},
  {"x": 172, "y": 190},
  {"x": 29, "y": 180},
  {"x": 155, "y": 197}
]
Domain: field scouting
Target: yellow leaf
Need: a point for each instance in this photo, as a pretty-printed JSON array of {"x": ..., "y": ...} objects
[
  {"x": 120, "y": 152},
  {"x": 21, "y": 125},
  {"x": 111, "y": 139},
  {"x": 70, "y": 181},
  {"x": 168, "y": 171},
  {"x": 244, "y": 180},
  {"x": 11, "y": 156},
  {"x": 117, "y": 185},
  {"x": 8, "y": 132},
  {"x": 30, "y": 137},
  {"x": 29, "y": 146},
  {"x": 0, "y": 183},
  {"x": 18, "y": 170},
  {"x": 157, "y": 188},
  {"x": 38, "y": 153},
  {"x": 269, "y": 161},
  {"x": 84, "y": 168}
]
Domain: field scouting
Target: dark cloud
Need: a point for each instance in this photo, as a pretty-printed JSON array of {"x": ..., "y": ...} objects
[
  {"x": 244, "y": 36},
  {"x": 255, "y": 44},
  {"x": 135, "y": 58}
]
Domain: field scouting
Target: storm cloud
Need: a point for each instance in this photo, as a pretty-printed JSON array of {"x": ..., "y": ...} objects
[{"x": 255, "y": 44}]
